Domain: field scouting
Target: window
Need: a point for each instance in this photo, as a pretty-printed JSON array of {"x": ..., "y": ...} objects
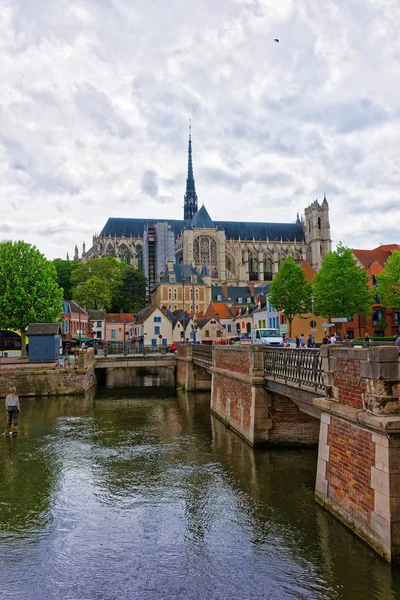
[
  {"x": 319, "y": 223},
  {"x": 65, "y": 326},
  {"x": 157, "y": 330},
  {"x": 229, "y": 328},
  {"x": 175, "y": 294},
  {"x": 98, "y": 335},
  {"x": 243, "y": 325},
  {"x": 113, "y": 334},
  {"x": 154, "y": 342},
  {"x": 196, "y": 293},
  {"x": 219, "y": 333},
  {"x": 396, "y": 318},
  {"x": 219, "y": 298},
  {"x": 207, "y": 333},
  {"x": 175, "y": 306},
  {"x": 119, "y": 329},
  {"x": 169, "y": 294},
  {"x": 248, "y": 300},
  {"x": 196, "y": 308},
  {"x": 378, "y": 316},
  {"x": 172, "y": 279},
  {"x": 164, "y": 341},
  {"x": 98, "y": 323},
  {"x": 240, "y": 300},
  {"x": 157, "y": 319},
  {"x": 191, "y": 293}
]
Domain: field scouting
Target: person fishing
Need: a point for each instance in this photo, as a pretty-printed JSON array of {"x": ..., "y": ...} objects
[{"x": 12, "y": 408}]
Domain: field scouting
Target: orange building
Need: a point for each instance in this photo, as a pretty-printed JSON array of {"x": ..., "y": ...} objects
[
  {"x": 383, "y": 321},
  {"x": 181, "y": 287}
]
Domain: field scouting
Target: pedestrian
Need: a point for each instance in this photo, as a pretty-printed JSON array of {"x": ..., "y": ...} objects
[
  {"x": 339, "y": 337},
  {"x": 397, "y": 342},
  {"x": 333, "y": 338},
  {"x": 12, "y": 408},
  {"x": 367, "y": 340},
  {"x": 325, "y": 339},
  {"x": 83, "y": 347},
  {"x": 298, "y": 341},
  {"x": 302, "y": 342}
]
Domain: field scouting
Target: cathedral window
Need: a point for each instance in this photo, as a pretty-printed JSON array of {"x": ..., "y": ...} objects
[
  {"x": 205, "y": 250},
  {"x": 319, "y": 223}
]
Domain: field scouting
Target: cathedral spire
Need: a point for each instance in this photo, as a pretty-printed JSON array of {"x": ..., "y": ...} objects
[{"x": 190, "y": 205}]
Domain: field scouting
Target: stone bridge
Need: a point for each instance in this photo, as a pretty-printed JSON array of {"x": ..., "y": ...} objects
[
  {"x": 128, "y": 371},
  {"x": 345, "y": 400}
]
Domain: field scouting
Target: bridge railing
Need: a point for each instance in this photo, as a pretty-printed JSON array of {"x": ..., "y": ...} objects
[
  {"x": 299, "y": 366},
  {"x": 202, "y": 353}
]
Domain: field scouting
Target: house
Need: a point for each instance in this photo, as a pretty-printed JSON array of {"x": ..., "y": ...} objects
[
  {"x": 182, "y": 325},
  {"x": 208, "y": 330},
  {"x": 232, "y": 295},
  {"x": 243, "y": 321},
  {"x": 384, "y": 321},
  {"x": 116, "y": 326},
  {"x": 181, "y": 287},
  {"x": 265, "y": 316},
  {"x": 224, "y": 314},
  {"x": 45, "y": 342},
  {"x": 151, "y": 326},
  {"x": 75, "y": 325},
  {"x": 97, "y": 319}
]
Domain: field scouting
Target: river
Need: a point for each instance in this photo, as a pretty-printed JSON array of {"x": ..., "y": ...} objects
[{"x": 150, "y": 497}]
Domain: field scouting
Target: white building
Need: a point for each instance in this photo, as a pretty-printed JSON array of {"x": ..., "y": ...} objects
[{"x": 152, "y": 327}]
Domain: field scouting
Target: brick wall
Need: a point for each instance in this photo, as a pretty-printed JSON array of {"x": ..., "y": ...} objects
[
  {"x": 233, "y": 360},
  {"x": 290, "y": 425},
  {"x": 231, "y": 400},
  {"x": 348, "y": 381},
  {"x": 348, "y": 472}
]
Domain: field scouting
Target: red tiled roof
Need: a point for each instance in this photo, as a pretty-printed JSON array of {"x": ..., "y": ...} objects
[
  {"x": 218, "y": 309},
  {"x": 380, "y": 255},
  {"x": 119, "y": 317}
]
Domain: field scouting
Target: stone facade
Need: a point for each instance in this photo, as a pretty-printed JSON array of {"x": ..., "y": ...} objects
[
  {"x": 238, "y": 252},
  {"x": 358, "y": 473}
]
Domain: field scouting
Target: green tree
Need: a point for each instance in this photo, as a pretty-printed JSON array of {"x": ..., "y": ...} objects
[
  {"x": 94, "y": 293},
  {"x": 64, "y": 269},
  {"x": 389, "y": 282},
  {"x": 290, "y": 291},
  {"x": 133, "y": 291},
  {"x": 29, "y": 289},
  {"x": 107, "y": 270},
  {"x": 341, "y": 287}
]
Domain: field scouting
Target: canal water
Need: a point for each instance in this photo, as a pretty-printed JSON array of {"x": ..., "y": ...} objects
[{"x": 151, "y": 497}]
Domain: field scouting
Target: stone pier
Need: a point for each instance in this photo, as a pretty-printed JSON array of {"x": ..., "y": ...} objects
[{"x": 358, "y": 473}]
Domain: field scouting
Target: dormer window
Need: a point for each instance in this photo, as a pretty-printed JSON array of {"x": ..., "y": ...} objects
[
  {"x": 240, "y": 300},
  {"x": 219, "y": 298},
  {"x": 172, "y": 278}
]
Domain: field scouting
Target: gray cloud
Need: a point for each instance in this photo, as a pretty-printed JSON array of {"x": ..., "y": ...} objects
[{"x": 96, "y": 98}]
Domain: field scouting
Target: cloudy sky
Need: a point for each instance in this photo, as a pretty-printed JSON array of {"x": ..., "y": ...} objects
[{"x": 96, "y": 95}]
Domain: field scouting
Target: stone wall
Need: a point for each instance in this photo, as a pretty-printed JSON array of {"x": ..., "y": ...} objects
[
  {"x": 190, "y": 376},
  {"x": 50, "y": 382},
  {"x": 290, "y": 426},
  {"x": 358, "y": 473}
]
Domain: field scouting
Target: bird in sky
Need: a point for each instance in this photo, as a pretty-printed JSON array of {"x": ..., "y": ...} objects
[{"x": 276, "y": 40}]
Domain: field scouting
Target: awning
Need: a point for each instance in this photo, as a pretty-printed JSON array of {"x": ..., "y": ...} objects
[{"x": 83, "y": 339}]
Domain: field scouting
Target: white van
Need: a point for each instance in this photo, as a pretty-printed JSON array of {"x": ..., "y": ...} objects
[{"x": 268, "y": 337}]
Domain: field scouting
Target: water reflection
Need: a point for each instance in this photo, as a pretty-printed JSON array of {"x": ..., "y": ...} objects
[{"x": 152, "y": 497}]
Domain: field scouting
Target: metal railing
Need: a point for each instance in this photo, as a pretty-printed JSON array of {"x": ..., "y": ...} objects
[
  {"x": 203, "y": 354},
  {"x": 302, "y": 367},
  {"x": 126, "y": 350}
]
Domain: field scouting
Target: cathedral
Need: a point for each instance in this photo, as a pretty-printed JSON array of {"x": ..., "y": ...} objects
[{"x": 240, "y": 253}]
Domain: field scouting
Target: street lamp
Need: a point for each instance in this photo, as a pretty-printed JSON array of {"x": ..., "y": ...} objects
[{"x": 313, "y": 323}]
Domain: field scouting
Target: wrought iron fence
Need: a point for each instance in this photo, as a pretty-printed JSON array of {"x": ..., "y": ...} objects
[
  {"x": 121, "y": 349},
  {"x": 203, "y": 354},
  {"x": 301, "y": 366}
]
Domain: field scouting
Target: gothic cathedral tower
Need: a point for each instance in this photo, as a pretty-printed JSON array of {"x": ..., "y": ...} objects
[
  {"x": 190, "y": 203},
  {"x": 317, "y": 231}
]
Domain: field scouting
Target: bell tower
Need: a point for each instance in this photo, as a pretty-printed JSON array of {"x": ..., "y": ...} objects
[{"x": 317, "y": 231}]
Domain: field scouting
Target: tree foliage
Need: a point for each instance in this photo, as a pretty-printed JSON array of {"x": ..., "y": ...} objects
[
  {"x": 108, "y": 284},
  {"x": 29, "y": 289},
  {"x": 64, "y": 269},
  {"x": 290, "y": 291},
  {"x": 389, "y": 282},
  {"x": 94, "y": 293},
  {"x": 341, "y": 287}
]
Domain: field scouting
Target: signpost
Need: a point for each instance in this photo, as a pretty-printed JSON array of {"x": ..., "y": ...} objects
[{"x": 339, "y": 319}]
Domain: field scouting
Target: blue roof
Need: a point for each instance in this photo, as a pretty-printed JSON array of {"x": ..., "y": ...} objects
[
  {"x": 182, "y": 272},
  {"x": 202, "y": 219},
  {"x": 233, "y": 229}
]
